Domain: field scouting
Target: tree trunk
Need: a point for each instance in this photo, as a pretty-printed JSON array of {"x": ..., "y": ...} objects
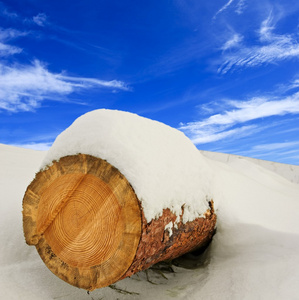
[{"x": 88, "y": 226}]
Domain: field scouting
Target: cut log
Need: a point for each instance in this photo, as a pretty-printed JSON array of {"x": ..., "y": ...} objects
[
  {"x": 138, "y": 193},
  {"x": 89, "y": 227}
]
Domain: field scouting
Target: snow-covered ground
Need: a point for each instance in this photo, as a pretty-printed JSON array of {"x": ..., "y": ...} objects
[
  {"x": 290, "y": 172},
  {"x": 254, "y": 254}
]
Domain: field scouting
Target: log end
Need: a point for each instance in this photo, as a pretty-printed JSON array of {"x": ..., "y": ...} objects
[{"x": 84, "y": 219}]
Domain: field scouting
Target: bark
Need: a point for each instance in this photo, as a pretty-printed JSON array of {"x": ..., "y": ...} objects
[{"x": 157, "y": 244}]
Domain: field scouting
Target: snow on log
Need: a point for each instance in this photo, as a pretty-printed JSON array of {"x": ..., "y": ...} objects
[{"x": 116, "y": 194}]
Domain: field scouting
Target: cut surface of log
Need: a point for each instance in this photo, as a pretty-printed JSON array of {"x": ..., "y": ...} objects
[
  {"x": 89, "y": 227},
  {"x": 76, "y": 212},
  {"x": 84, "y": 219}
]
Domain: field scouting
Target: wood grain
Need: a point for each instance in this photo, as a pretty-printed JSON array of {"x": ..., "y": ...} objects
[{"x": 84, "y": 219}]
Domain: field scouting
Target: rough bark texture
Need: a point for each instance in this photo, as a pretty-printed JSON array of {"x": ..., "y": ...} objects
[
  {"x": 89, "y": 228},
  {"x": 157, "y": 244}
]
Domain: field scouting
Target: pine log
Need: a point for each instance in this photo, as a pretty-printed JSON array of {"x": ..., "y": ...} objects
[{"x": 89, "y": 228}]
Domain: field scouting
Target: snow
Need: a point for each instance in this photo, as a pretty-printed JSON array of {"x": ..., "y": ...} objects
[
  {"x": 169, "y": 227},
  {"x": 163, "y": 166},
  {"x": 290, "y": 172},
  {"x": 254, "y": 254}
]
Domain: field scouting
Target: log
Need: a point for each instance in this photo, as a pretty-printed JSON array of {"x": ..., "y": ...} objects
[
  {"x": 89, "y": 228},
  {"x": 116, "y": 194}
]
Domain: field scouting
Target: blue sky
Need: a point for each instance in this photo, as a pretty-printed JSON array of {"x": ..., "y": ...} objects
[{"x": 225, "y": 72}]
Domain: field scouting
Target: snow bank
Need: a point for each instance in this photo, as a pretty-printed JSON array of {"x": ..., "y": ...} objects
[
  {"x": 161, "y": 163},
  {"x": 254, "y": 254},
  {"x": 290, "y": 172}
]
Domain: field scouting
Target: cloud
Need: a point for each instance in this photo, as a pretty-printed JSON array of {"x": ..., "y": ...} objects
[
  {"x": 284, "y": 152},
  {"x": 240, "y": 7},
  {"x": 285, "y": 88},
  {"x": 209, "y": 135},
  {"x": 40, "y": 19},
  {"x": 93, "y": 82},
  {"x": 270, "y": 48},
  {"x": 7, "y": 50},
  {"x": 23, "y": 88},
  {"x": 230, "y": 123},
  {"x": 295, "y": 84},
  {"x": 34, "y": 146},
  {"x": 266, "y": 29},
  {"x": 5, "y": 36},
  {"x": 224, "y": 7},
  {"x": 275, "y": 146},
  {"x": 234, "y": 41},
  {"x": 4, "y": 11}
]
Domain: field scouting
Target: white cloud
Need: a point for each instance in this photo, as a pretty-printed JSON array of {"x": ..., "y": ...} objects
[
  {"x": 90, "y": 82},
  {"x": 234, "y": 41},
  {"x": 207, "y": 136},
  {"x": 285, "y": 88},
  {"x": 34, "y": 146},
  {"x": 224, "y": 7},
  {"x": 295, "y": 84},
  {"x": 6, "y": 13},
  {"x": 275, "y": 146},
  {"x": 240, "y": 7},
  {"x": 5, "y": 36},
  {"x": 10, "y": 33},
  {"x": 7, "y": 50},
  {"x": 23, "y": 88},
  {"x": 281, "y": 151},
  {"x": 230, "y": 122},
  {"x": 271, "y": 49},
  {"x": 40, "y": 19},
  {"x": 266, "y": 29}
]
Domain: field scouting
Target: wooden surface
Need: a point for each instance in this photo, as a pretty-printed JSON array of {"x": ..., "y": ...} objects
[{"x": 84, "y": 219}]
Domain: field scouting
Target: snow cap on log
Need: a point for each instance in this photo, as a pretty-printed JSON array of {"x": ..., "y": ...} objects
[{"x": 163, "y": 166}]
